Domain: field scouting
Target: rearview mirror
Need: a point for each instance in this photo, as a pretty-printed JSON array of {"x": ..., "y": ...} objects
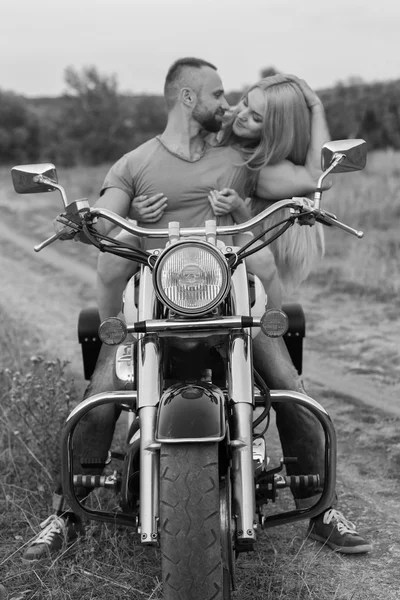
[
  {"x": 354, "y": 152},
  {"x": 23, "y": 177}
]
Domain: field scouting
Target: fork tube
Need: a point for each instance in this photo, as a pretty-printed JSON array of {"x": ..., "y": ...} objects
[
  {"x": 149, "y": 476},
  {"x": 149, "y": 391},
  {"x": 148, "y": 396},
  {"x": 240, "y": 392},
  {"x": 240, "y": 385}
]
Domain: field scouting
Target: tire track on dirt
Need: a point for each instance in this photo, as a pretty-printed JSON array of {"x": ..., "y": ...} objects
[
  {"x": 49, "y": 255},
  {"x": 321, "y": 371},
  {"x": 44, "y": 293}
]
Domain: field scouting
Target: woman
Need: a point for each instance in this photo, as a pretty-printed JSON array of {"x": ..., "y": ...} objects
[{"x": 279, "y": 128}]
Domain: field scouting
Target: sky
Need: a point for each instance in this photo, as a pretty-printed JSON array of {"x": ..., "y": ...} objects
[{"x": 319, "y": 40}]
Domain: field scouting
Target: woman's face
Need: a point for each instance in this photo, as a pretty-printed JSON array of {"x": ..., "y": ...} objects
[{"x": 249, "y": 119}]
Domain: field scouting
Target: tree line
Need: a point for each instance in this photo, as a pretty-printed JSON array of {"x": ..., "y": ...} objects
[{"x": 93, "y": 123}]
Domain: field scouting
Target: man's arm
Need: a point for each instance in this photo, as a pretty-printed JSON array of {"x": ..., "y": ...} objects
[
  {"x": 117, "y": 201},
  {"x": 141, "y": 208}
]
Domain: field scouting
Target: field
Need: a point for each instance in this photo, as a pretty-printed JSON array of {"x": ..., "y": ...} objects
[{"x": 352, "y": 366}]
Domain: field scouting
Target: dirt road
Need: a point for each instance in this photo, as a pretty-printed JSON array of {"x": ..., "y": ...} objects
[{"x": 358, "y": 381}]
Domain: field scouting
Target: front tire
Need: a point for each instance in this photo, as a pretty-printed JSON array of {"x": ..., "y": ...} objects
[{"x": 190, "y": 525}]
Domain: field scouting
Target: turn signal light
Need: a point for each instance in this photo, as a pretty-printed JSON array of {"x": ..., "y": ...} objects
[
  {"x": 113, "y": 331},
  {"x": 274, "y": 323}
]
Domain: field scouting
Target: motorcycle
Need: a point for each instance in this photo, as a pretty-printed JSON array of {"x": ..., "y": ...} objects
[{"x": 195, "y": 479}]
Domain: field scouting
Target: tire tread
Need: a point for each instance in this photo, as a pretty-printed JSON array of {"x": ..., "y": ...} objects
[{"x": 190, "y": 536}]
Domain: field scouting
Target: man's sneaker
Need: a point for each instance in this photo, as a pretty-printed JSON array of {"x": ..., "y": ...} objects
[
  {"x": 331, "y": 528},
  {"x": 57, "y": 533}
]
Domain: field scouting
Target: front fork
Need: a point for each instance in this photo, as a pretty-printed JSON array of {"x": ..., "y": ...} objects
[
  {"x": 241, "y": 391},
  {"x": 241, "y": 388},
  {"x": 149, "y": 393}
]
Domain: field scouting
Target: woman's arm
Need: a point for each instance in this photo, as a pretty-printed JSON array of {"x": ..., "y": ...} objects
[
  {"x": 228, "y": 201},
  {"x": 319, "y": 136},
  {"x": 286, "y": 179},
  {"x": 242, "y": 213}
]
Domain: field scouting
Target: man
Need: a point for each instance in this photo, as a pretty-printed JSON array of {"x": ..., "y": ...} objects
[{"x": 186, "y": 168}]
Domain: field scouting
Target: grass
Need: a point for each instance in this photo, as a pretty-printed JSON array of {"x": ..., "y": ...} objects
[
  {"x": 111, "y": 563},
  {"x": 370, "y": 201},
  {"x": 35, "y": 399}
]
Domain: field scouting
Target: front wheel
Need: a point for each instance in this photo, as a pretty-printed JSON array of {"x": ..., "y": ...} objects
[{"x": 190, "y": 523}]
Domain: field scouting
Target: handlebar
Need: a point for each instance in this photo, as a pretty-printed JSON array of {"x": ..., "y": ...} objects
[
  {"x": 304, "y": 203},
  {"x": 187, "y": 231},
  {"x": 80, "y": 209}
]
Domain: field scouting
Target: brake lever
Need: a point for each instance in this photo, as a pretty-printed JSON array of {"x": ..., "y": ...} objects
[
  {"x": 330, "y": 219},
  {"x": 71, "y": 219},
  {"x": 49, "y": 240},
  {"x": 68, "y": 229}
]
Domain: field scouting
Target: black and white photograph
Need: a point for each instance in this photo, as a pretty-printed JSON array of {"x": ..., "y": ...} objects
[{"x": 199, "y": 300}]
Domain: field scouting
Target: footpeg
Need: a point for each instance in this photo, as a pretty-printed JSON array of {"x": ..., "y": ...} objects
[
  {"x": 112, "y": 482},
  {"x": 298, "y": 482},
  {"x": 267, "y": 485}
]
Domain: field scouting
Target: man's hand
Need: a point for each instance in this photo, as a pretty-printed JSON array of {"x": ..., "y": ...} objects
[
  {"x": 148, "y": 210},
  {"x": 63, "y": 231},
  {"x": 224, "y": 201}
]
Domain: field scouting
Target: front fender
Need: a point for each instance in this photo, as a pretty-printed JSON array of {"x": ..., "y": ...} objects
[{"x": 191, "y": 413}]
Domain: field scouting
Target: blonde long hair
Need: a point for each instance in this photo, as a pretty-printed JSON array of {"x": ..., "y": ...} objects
[{"x": 285, "y": 135}]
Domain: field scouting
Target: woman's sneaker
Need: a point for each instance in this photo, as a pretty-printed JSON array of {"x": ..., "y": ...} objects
[
  {"x": 334, "y": 530},
  {"x": 56, "y": 535}
]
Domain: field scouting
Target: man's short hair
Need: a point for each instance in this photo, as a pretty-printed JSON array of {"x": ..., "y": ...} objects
[{"x": 181, "y": 74}]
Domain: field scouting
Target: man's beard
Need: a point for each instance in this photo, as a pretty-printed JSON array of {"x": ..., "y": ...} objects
[{"x": 206, "y": 119}]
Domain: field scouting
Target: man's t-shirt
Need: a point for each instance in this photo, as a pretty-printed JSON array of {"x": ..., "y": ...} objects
[{"x": 151, "y": 169}]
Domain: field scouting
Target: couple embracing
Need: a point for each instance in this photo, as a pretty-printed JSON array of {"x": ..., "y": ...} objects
[{"x": 214, "y": 162}]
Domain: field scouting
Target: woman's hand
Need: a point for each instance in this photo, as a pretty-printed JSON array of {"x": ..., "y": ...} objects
[
  {"x": 225, "y": 201},
  {"x": 147, "y": 209},
  {"x": 310, "y": 96}
]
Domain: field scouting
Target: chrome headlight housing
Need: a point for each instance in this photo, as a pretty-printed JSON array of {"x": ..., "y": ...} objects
[{"x": 191, "y": 277}]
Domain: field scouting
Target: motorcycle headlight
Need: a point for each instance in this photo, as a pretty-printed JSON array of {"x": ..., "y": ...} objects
[{"x": 191, "y": 278}]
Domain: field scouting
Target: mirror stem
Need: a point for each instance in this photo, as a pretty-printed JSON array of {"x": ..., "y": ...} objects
[
  {"x": 337, "y": 159},
  {"x": 46, "y": 180}
]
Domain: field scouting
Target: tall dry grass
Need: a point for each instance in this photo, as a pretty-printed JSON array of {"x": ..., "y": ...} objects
[{"x": 370, "y": 201}]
